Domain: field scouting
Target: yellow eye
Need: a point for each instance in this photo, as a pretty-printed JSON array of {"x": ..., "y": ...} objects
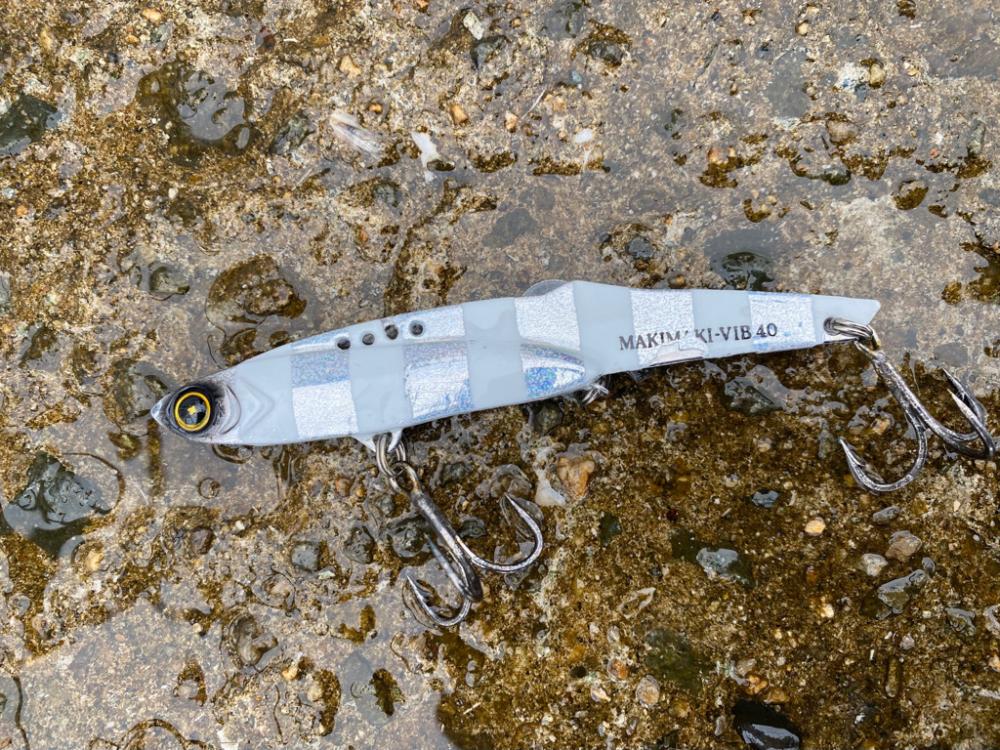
[{"x": 192, "y": 411}]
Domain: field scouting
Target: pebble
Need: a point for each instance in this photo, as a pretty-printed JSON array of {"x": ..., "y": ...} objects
[
  {"x": 881, "y": 425},
  {"x": 756, "y": 684},
  {"x": 617, "y": 668},
  {"x": 995, "y": 662},
  {"x": 152, "y": 15},
  {"x": 765, "y": 498},
  {"x": 360, "y": 547},
  {"x": 598, "y": 694},
  {"x": 887, "y": 515},
  {"x": 475, "y": 26},
  {"x": 717, "y": 156},
  {"x": 305, "y": 556},
  {"x": 762, "y": 728},
  {"x": 909, "y": 194},
  {"x": 347, "y": 65},
  {"x": 93, "y": 559},
  {"x": 776, "y": 695},
  {"x": 876, "y": 75},
  {"x": 510, "y": 122},
  {"x": 726, "y": 564},
  {"x": 896, "y": 594},
  {"x": 992, "y": 615},
  {"x": 647, "y": 692},
  {"x": 902, "y": 546},
  {"x": 485, "y": 49},
  {"x": 907, "y": 643},
  {"x": 458, "y": 115},
  {"x": 961, "y": 620},
  {"x": 815, "y": 526},
  {"x": 574, "y": 473},
  {"x": 640, "y": 249},
  {"x": 46, "y": 39},
  {"x": 873, "y": 564},
  {"x": 315, "y": 691},
  {"x": 610, "y": 52},
  {"x": 165, "y": 281},
  {"x": 840, "y": 131},
  {"x": 802, "y": 29}
]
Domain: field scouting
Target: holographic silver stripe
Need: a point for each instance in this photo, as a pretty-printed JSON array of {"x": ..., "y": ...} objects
[
  {"x": 322, "y": 403},
  {"x": 664, "y": 326},
  {"x": 314, "y": 368},
  {"x": 549, "y": 318},
  {"x": 322, "y": 410},
  {"x": 548, "y": 372},
  {"x": 436, "y": 377},
  {"x": 790, "y": 314}
]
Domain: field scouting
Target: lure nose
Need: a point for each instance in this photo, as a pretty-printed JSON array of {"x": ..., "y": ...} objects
[{"x": 159, "y": 410}]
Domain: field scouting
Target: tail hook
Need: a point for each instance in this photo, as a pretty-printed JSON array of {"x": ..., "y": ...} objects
[
  {"x": 976, "y": 444},
  {"x": 456, "y": 558}
]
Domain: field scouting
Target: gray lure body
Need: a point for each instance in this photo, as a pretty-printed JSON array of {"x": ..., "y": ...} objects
[{"x": 386, "y": 375}]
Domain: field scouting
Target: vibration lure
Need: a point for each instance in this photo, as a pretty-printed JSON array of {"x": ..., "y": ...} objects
[{"x": 372, "y": 380}]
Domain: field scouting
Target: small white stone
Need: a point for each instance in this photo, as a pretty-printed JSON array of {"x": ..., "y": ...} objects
[
  {"x": 873, "y": 564},
  {"x": 647, "y": 692},
  {"x": 815, "y": 526},
  {"x": 902, "y": 546},
  {"x": 850, "y": 76},
  {"x": 476, "y": 27}
]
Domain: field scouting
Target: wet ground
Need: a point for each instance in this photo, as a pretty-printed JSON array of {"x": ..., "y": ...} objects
[{"x": 182, "y": 185}]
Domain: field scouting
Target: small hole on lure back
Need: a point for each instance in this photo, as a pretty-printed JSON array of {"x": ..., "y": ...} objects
[
  {"x": 391, "y": 331},
  {"x": 368, "y": 339},
  {"x": 416, "y": 328},
  {"x": 344, "y": 344}
]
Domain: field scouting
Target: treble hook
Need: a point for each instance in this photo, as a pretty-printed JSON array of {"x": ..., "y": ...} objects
[
  {"x": 916, "y": 414},
  {"x": 456, "y": 558}
]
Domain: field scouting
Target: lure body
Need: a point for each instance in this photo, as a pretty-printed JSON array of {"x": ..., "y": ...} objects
[{"x": 383, "y": 376}]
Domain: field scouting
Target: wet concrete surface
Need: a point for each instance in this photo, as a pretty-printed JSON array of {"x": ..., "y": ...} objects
[{"x": 186, "y": 184}]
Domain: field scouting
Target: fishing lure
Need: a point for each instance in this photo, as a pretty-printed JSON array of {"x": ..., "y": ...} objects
[{"x": 372, "y": 380}]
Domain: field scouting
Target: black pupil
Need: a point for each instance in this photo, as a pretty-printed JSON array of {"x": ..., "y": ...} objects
[{"x": 192, "y": 410}]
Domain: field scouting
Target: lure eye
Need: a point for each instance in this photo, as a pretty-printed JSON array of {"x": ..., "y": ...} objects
[{"x": 192, "y": 411}]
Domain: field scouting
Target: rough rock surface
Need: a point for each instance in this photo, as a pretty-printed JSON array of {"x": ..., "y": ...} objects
[{"x": 186, "y": 183}]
